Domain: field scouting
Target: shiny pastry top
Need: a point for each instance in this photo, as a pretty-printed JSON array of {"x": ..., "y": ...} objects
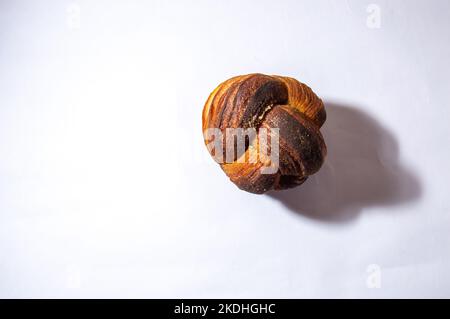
[{"x": 279, "y": 109}]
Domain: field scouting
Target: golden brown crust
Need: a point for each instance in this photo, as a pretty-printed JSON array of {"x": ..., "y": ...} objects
[{"x": 263, "y": 101}]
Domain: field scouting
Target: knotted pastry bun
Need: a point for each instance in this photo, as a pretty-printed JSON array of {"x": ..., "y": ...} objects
[{"x": 257, "y": 101}]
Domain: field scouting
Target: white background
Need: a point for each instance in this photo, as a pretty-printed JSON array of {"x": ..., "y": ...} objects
[{"x": 106, "y": 188}]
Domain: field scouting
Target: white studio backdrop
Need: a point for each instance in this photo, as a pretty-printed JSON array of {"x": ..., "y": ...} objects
[{"x": 106, "y": 188}]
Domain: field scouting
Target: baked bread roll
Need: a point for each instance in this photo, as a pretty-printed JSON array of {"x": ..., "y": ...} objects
[{"x": 286, "y": 110}]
